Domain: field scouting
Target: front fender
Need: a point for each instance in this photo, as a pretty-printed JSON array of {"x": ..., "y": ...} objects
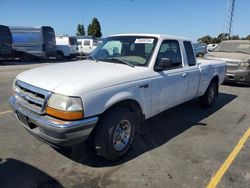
[
  {"x": 97, "y": 102},
  {"x": 118, "y": 97}
]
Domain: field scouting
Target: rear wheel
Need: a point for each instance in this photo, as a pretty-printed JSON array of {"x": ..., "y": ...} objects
[
  {"x": 208, "y": 98},
  {"x": 115, "y": 133}
]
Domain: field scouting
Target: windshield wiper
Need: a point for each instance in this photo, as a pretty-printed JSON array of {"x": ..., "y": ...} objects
[
  {"x": 240, "y": 52},
  {"x": 221, "y": 51},
  {"x": 232, "y": 51},
  {"x": 92, "y": 57},
  {"x": 122, "y": 61}
]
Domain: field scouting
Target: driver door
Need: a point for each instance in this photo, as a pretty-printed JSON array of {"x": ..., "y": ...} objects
[{"x": 170, "y": 87}]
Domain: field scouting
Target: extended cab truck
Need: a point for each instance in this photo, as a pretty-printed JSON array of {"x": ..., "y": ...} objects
[
  {"x": 236, "y": 53},
  {"x": 127, "y": 79}
]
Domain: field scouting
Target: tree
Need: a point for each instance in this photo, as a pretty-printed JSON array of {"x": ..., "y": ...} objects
[
  {"x": 206, "y": 39},
  {"x": 235, "y": 37},
  {"x": 216, "y": 40},
  {"x": 80, "y": 30},
  {"x": 223, "y": 36},
  {"x": 94, "y": 28},
  {"x": 247, "y": 38},
  {"x": 90, "y": 32}
]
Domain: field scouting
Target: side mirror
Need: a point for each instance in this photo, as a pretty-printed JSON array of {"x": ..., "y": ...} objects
[{"x": 164, "y": 63}]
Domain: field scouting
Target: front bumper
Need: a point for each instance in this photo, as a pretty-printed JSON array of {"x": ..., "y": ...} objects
[
  {"x": 52, "y": 131},
  {"x": 239, "y": 76}
]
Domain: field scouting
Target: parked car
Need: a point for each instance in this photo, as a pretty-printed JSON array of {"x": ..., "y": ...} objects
[
  {"x": 127, "y": 79},
  {"x": 236, "y": 53},
  {"x": 86, "y": 45},
  {"x": 34, "y": 42},
  {"x": 200, "y": 49},
  {"x": 5, "y": 42},
  {"x": 211, "y": 47},
  {"x": 66, "y": 47}
]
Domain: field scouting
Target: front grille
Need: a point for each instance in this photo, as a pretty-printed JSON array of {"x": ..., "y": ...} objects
[
  {"x": 31, "y": 97},
  {"x": 232, "y": 66}
]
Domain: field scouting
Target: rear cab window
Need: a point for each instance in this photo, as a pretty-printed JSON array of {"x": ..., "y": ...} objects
[
  {"x": 79, "y": 43},
  {"x": 190, "y": 53},
  {"x": 86, "y": 43}
]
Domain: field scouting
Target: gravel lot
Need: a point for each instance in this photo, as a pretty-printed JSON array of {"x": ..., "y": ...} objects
[{"x": 181, "y": 147}]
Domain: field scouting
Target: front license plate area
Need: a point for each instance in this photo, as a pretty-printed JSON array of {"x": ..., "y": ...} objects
[
  {"x": 25, "y": 120},
  {"x": 22, "y": 118}
]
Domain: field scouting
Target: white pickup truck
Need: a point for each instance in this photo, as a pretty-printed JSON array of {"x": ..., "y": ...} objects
[{"x": 127, "y": 79}]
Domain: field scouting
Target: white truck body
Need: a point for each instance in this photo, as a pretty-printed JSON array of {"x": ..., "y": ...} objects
[
  {"x": 86, "y": 45},
  {"x": 101, "y": 85},
  {"x": 111, "y": 83},
  {"x": 67, "y": 46}
]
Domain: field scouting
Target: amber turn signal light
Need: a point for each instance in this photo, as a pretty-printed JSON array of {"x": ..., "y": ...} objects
[{"x": 65, "y": 115}]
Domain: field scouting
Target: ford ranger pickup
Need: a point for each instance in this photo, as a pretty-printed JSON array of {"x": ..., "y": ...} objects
[{"x": 126, "y": 80}]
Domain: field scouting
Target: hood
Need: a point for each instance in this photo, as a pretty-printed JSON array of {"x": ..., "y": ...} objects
[
  {"x": 78, "y": 77},
  {"x": 232, "y": 56}
]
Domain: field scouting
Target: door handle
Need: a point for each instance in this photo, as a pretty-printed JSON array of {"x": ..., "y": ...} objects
[{"x": 184, "y": 75}]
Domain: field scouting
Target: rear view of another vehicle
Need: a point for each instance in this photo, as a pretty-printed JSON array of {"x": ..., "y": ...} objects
[
  {"x": 236, "y": 53},
  {"x": 200, "y": 49},
  {"x": 5, "y": 43},
  {"x": 87, "y": 45},
  {"x": 66, "y": 47}
]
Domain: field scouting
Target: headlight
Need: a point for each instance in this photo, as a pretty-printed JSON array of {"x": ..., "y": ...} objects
[
  {"x": 64, "y": 107},
  {"x": 244, "y": 64}
]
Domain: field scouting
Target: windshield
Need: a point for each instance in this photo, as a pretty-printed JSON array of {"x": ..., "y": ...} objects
[
  {"x": 72, "y": 41},
  {"x": 131, "y": 50},
  {"x": 243, "y": 47}
]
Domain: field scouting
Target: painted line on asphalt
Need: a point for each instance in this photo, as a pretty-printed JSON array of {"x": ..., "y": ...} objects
[
  {"x": 219, "y": 174},
  {"x": 5, "y": 112}
]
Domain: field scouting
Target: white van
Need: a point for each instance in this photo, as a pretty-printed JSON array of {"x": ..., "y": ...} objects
[
  {"x": 86, "y": 45},
  {"x": 66, "y": 47}
]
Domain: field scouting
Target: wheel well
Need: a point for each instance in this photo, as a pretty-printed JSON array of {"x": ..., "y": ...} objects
[
  {"x": 131, "y": 105},
  {"x": 60, "y": 51},
  {"x": 216, "y": 80}
]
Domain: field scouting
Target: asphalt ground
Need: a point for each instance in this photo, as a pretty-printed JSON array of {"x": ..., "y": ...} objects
[{"x": 181, "y": 147}]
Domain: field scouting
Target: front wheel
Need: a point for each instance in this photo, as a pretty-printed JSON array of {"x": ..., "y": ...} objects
[
  {"x": 115, "y": 133},
  {"x": 208, "y": 98},
  {"x": 59, "y": 55}
]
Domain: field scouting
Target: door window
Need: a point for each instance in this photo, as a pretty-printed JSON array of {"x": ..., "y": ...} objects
[{"x": 170, "y": 49}]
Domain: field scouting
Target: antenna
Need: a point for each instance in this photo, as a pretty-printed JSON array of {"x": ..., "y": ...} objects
[{"x": 230, "y": 16}]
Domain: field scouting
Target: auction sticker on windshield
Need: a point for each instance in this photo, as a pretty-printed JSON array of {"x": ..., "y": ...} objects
[{"x": 144, "y": 41}]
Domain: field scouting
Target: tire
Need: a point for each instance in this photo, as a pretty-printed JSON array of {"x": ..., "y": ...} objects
[
  {"x": 59, "y": 55},
  {"x": 208, "y": 98},
  {"x": 23, "y": 57},
  {"x": 200, "y": 55},
  {"x": 116, "y": 125}
]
